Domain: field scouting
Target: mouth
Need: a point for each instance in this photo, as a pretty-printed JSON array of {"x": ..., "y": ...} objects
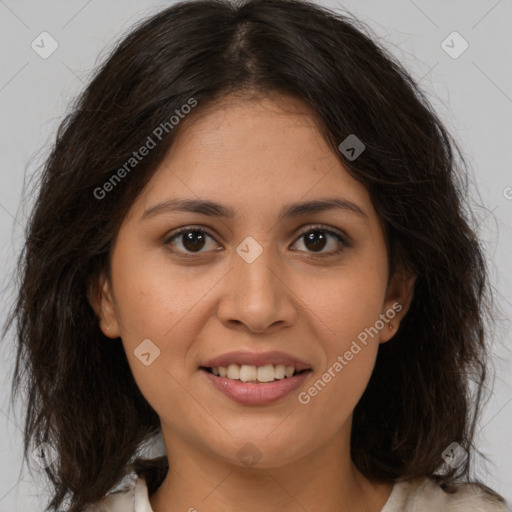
[
  {"x": 255, "y": 374},
  {"x": 243, "y": 385}
]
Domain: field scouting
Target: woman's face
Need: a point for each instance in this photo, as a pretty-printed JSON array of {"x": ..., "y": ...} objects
[{"x": 255, "y": 282}]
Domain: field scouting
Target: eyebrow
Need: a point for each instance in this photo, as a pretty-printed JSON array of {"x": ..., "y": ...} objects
[{"x": 214, "y": 209}]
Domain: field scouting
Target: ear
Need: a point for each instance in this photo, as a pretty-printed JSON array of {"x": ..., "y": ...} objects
[
  {"x": 99, "y": 295},
  {"x": 398, "y": 300}
]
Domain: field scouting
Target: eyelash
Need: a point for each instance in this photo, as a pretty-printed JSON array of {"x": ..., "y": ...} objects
[{"x": 342, "y": 239}]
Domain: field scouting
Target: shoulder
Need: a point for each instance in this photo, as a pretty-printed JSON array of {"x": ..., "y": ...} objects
[
  {"x": 130, "y": 495},
  {"x": 425, "y": 495}
]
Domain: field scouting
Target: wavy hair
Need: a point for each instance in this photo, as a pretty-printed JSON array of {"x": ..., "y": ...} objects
[{"x": 82, "y": 398}]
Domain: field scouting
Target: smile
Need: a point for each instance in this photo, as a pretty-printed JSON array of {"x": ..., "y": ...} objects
[
  {"x": 252, "y": 390},
  {"x": 252, "y": 373}
]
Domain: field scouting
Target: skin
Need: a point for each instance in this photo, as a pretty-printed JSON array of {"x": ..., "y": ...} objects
[{"x": 240, "y": 153}]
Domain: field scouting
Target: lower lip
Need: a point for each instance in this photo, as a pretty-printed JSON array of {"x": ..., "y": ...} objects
[{"x": 256, "y": 394}]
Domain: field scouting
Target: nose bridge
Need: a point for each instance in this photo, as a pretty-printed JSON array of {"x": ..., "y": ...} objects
[
  {"x": 254, "y": 266},
  {"x": 256, "y": 295}
]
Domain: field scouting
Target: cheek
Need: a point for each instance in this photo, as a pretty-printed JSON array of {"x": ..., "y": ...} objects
[
  {"x": 156, "y": 305},
  {"x": 346, "y": 311},
  {"x": 346, "y": 302},
  {"x": 153, "y": 295}
]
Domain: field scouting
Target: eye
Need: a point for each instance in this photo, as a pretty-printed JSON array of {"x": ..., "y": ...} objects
[
  {"x": 316, "y": 239},
  {"x": 191, "y": 238}
]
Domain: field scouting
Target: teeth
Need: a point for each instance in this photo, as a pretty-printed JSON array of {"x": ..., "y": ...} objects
[
  {"x": 250, "y": 373},
  {"x": 233, "y": 372},
  {"x": 247, "y": 373},
  {"x": 279, "y": 371},
  {"x": 266, "y": 373}
]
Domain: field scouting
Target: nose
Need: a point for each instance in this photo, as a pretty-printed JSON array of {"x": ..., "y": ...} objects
[{"x": 256, "y": 295}]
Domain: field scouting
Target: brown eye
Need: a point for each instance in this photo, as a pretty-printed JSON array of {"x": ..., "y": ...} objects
[
  {"x": 192, "y": 240},
  {"x": 317, "y": 238}
]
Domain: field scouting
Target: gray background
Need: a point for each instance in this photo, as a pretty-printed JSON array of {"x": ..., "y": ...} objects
[{"x": 472, "y": 93}]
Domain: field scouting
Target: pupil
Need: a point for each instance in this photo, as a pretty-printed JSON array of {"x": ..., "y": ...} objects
[
  {"x": 313, "y": 239},
  {"x": 191, "y": 240}
]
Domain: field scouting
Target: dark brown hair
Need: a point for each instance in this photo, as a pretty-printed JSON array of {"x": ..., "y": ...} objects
[{"x": 82, "y": 397}]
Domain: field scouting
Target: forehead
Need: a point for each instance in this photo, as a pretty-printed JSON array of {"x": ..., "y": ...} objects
[{"x": 252, "y": 154}]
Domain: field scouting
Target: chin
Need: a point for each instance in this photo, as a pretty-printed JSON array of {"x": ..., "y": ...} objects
[{"x": 261, "y": 451}]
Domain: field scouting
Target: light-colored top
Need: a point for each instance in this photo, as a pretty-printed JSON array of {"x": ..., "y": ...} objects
[{"x": 421, "y": 495}]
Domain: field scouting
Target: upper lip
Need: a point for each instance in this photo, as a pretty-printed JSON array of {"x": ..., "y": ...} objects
[{"x": 256, "y": 359}]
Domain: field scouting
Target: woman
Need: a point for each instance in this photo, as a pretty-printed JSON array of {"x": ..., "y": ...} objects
[{"x": 250, "y": 239}]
